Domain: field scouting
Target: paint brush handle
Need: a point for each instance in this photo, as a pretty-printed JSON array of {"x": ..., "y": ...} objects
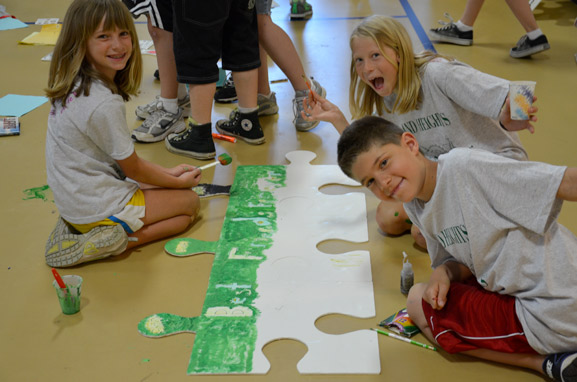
[
  {"x": 208, "y": 165},
  {"x": 58, "y": 279}
]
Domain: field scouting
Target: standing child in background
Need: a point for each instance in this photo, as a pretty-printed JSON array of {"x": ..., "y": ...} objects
[
  {"x": 445, "y": 103},
  {"x": 503, "y": 287},
  {"x": 461, "y": 32},
  {"x": 164, "y": 114},
  {"x": 275, "y": 42},
  {"x": 205, "y": 31},
  {"x": 91, "y": 164}
]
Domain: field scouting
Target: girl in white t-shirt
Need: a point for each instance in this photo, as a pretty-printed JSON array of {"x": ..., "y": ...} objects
[{"x": 97, "y": 178}]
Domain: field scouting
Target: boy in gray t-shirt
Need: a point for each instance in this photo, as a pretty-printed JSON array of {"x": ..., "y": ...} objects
[{"x": 503, "y": 285}]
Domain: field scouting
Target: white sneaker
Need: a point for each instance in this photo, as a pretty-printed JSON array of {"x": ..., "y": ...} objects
[
  {"x": 298, "y": 107},
  {"x": 65, "y": 247},
  {"x": 158, "y": 125},
  {"x": 143, "y": 111}
]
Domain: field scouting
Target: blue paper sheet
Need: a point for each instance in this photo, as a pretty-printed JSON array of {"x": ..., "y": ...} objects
[
  {"x": 10, "y": 23},
  {"x": 18, "y": 105}
]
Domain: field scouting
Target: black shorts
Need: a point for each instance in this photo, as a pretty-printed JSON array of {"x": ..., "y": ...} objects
[
  {"x": 205, "y": 31},
  {"x": 159, "y": 11}
]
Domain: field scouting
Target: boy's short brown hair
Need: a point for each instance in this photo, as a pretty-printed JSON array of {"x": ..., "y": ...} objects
[{"x": 361, "y": 135}]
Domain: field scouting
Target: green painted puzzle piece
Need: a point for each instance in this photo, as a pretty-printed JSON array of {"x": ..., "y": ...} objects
[
  {"x": 226, "y": 330},
  {"x": 187, "y": 247}
]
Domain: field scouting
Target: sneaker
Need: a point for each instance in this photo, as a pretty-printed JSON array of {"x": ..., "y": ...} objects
[
  {"x": 301, "y": 10},
  {"x": 450, "y": 33},
  {"x": 526, "y": 47},
  {"x": 195, "y": 142},
  {"x": 66, "y": 247},
  {"x": 243, "y": 126},
  {"x": 157, "y": 75},
  {"x": 561, "y": 367},
  {"x": 143, "y": 111},
  {"x": 298, "y": 107},
  {"x": 158, "y": 125},
  {"x": 266, "y": 106},
  {"x": 227, "y": 93}
]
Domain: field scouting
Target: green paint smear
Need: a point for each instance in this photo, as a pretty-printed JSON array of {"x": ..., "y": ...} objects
[
  {"x": 37, "y": 193},
  {"x": 226, "y": 344},
  {"x": 226, "y": 330}
]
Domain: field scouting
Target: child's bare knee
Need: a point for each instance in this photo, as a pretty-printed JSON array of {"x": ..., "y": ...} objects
[
  {"x": 418, "y": 236},
  {"x": 390, "y": 220},
  {"x": 414, "y": 300}
]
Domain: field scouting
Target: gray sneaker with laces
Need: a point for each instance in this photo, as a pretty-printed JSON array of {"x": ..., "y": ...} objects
[
  {"x": 158, "y": 125},
  {"x": 143, "y": 111},
  {"x": 300, "y": 123},
  {"x": 66, "y": 247},
  {"x": 266, "y": 106}
]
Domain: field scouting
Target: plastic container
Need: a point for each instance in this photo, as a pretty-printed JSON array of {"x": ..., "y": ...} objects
[{"x": 407, "y": 275}]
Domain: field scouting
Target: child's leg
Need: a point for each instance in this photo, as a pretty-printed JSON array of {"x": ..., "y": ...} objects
[
  {"x": 168, "y": 212},
  {"x": 165, "y": 59},
  {"x": 281, "y": 49},
  {"x": 392, "y": 218},
  {"x": 415, "y": 311},
  {"x": 246, "y": 84}
]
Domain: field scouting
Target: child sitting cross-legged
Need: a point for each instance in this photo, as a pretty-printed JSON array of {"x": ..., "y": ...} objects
[{"x": 503, "y": 286}]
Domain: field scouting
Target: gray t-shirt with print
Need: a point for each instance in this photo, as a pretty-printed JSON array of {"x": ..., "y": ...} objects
[
  {"x": 460, "y": 108},
  {"x": 498, "y": 217},
  {"x": 83, "y": 142}
]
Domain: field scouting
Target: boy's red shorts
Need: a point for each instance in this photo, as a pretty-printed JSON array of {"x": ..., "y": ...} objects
[{"x": 474, "y": 318}]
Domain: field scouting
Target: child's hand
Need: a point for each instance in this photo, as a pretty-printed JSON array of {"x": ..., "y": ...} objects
[
  {"x": 190, "y": 176},
  {"x": 514, "y": 125},
  {"x": 436, "y": 291},
  {"x": 180, "y": 169},
  {"x": 317, "y": 108}
]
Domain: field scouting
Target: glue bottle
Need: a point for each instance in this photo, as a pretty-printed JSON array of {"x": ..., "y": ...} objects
[{"x": 407, "y": 275}]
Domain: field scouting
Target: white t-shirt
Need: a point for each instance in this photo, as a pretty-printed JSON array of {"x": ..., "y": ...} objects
[
  {"x": 460, "y": 108},
  {"x": 83, "y": 142},
  {"x": 498, "y": 217}
]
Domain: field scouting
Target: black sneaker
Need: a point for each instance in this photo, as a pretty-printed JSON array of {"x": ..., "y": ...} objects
[
  {"x": 526, "y": 47},
  {"x": 561, "y": 367},
  {"x": 243, "y": 126},
  {"x": 450, "y": 33},
  {"x": 157, "y": 75},
  {"x": 227, "y": 93},
  {"x": 195, "y": 142}
]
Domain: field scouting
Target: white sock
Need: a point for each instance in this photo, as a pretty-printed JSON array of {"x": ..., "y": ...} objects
[
  {"x": 534, "y": 34},
  {"x": 170, "y": 104},
  {"x": 463, "y": 27},
  {"x": 246, "y": 110}
]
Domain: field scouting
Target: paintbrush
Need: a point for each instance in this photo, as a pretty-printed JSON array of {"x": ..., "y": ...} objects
[
  {"x": 224, "y": 159},
  {"x": 309, "y": 85},
  {"x": 58, "y": 279}
]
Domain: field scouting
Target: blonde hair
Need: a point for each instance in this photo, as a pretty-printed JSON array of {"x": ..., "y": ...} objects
[
  {"x": 70, "y": 69},
  {"x": 388, "y": 32}
]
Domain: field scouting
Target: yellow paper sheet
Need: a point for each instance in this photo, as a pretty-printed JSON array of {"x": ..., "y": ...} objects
[{"x": 47, "y": 35}]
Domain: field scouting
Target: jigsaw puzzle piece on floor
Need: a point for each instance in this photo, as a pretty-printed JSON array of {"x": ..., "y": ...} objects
[{"x": 269, "y": 281}]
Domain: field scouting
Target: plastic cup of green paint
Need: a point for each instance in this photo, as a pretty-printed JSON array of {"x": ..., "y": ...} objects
[{"x": 69, "y": 297}]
